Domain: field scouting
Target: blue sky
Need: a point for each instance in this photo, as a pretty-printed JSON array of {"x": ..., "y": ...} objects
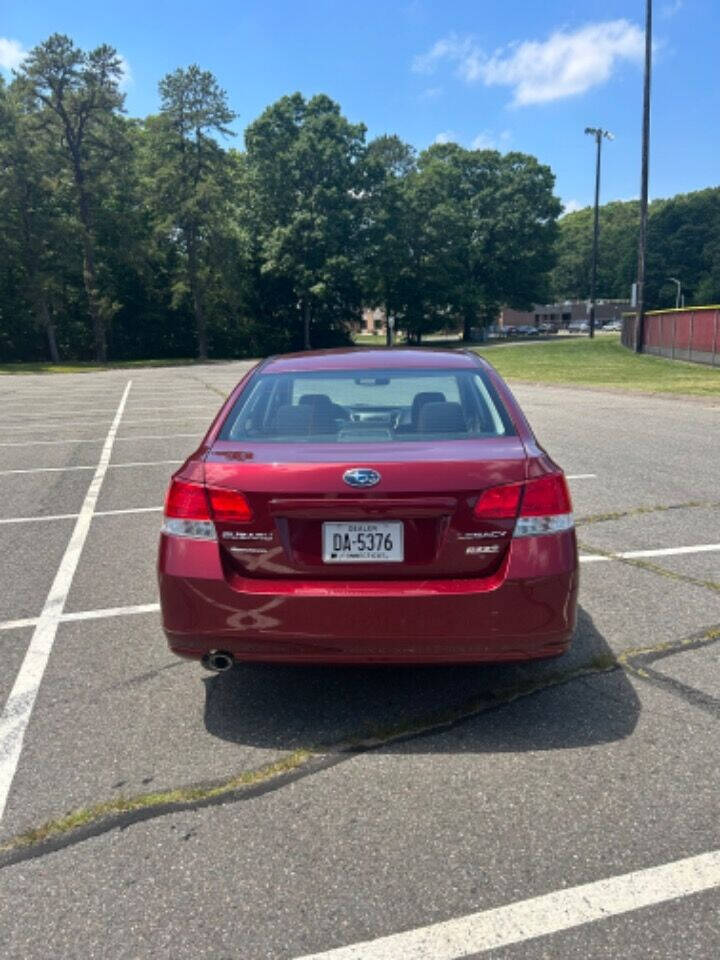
[{"x": 519, "y": 74}]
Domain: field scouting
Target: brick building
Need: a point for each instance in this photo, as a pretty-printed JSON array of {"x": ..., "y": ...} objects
[{"x": 562, "y": 314}]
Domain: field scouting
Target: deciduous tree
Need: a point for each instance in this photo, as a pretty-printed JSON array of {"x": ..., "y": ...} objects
[{"x": 306, "y": 181}]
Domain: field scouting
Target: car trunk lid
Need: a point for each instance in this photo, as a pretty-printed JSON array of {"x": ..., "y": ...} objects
[{"x": 429, "y": 488}]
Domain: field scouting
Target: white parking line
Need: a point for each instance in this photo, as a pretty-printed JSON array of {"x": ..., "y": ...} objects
[
  {"x": 664, "y": 552},
  {"x": 134, "y": 463},
  {"x": 540, "y": 916},
  {"x": 101, "y": 614},
  {"x": 119, "y": 513},
  {"x": 15, "y": 717},
  {"x": 580, "y": 476},
  {"x": 18, "y": 624},
  {"x": 110, "y": 612},
  {"x": 128, "y": 423},
  {"x": 46, "y": 517},
  {"x": 71, "y": 516},
  {"x": 143, "y": 436},
  {"x": 143, "y": 463},
  {"x": 58, "y": 413},
  {"x": 49, "y": 443}
]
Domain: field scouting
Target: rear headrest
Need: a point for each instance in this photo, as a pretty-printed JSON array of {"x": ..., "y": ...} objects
[
  {"x": 420, "y": 399},
  {"x": 442, "y": 418},
  {"x": 316, "y": 399},
  {"x": 304, "y": 418},
  {"x": 324, "y": 412},
  {"x": 293, "y": 421}
]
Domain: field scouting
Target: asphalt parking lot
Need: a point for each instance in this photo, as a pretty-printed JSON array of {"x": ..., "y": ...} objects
[{"x": 563, "y": 809}]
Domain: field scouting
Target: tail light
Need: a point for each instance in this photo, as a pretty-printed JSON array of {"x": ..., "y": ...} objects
[
  {"x": 544, "y": 505},
  {"x": 191, "y": 509},
  {"x": 499, "y": 503},
  {"x": 545, "y": 508},
  {"x": 229, "y": 506}
]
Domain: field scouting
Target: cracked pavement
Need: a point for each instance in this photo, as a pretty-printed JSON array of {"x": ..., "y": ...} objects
[{"x": 272, "y": 811}]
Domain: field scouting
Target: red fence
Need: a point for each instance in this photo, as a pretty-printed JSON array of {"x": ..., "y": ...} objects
[{"x": 692, "y": 334}]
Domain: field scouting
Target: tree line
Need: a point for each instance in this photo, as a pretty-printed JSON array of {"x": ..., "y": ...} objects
[
  {"x": 683, "y": 242},
  {"x": 124, "y": 237}
]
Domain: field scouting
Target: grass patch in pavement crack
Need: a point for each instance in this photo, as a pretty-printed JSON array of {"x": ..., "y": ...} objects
[
  {"x": 669, "y": 646},
  {"x": 180, "y": 796},
  {"x": 209, "y": 386},
  {"x": 444, "y": 719},
  {"x": 109, "y": 815},
  {"x": 627, "y": 659}
]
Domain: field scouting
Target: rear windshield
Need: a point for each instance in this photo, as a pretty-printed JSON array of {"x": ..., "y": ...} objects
[{"x": 367, "y": 406}]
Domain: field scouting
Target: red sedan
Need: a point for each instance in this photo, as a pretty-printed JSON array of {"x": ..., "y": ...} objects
[{"x": 369, "y": 506}]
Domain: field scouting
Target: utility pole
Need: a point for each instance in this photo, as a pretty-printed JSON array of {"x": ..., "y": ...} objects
[
  {"x": 598, "y": 133},
  {"x": 642, "y": 238}
]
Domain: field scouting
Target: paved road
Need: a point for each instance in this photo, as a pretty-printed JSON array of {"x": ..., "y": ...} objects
[{"x": 263, "y": 833}]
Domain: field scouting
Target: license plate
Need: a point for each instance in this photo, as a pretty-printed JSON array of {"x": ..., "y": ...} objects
[{"x": 362, "y": 542}]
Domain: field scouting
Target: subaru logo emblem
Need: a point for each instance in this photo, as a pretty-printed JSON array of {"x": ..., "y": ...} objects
[{"x": 361, "y": 477}]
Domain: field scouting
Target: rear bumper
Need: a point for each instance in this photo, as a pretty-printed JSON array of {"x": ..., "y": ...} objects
[{"x": 525, "y": 611}]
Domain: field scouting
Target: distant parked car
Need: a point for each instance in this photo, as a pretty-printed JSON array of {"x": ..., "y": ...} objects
[
  {"x": 547, "y": 328},
  {"x": 613, "y": 326},
  {"x": 527, "y": 330},
  {"x": 578, "y": 326}
]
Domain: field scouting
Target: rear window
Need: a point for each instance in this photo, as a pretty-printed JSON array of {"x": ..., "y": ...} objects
[{"x": 367, "y": 406}]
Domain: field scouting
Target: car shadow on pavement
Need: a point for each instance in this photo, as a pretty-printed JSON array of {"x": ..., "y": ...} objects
[{"x": 543, "y": 705}]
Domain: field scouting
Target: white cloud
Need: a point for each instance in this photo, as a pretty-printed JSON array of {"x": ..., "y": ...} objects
[
  {"x": 12, "y": 54},
  {"x": 483, "y": 141},
  {"x": 570, "y": 206},
  {"x": 446, "y": 136},
  {"x": 431, "y": 93},
  {"x": 487, "y": 140},
  {"x": 568, "y": 63},
  {"x": 668, "y": 10},
  {"x": 451, "y": 47},
  {"x": 126, "y": 77}
]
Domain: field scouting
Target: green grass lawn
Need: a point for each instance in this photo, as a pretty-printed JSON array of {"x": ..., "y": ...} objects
[
  {"x": 374, "y": 339},
  {"x": 576, "y": 361},
  {"x": 601, "y": 362}
]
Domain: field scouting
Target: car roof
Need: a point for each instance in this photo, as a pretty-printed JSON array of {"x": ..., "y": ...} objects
[{"x": 379, "y": 358}]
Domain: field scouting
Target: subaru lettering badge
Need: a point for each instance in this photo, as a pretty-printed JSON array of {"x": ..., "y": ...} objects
[{"x": 361, "y": 477}]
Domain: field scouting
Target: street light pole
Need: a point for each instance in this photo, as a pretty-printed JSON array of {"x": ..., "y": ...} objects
[
  {"x": 642, "y": 237},
  {"x": 679, "y": 291},
  {"x": 598, "y": 133}
]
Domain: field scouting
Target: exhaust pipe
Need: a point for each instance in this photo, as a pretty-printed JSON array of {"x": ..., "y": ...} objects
[{"x": 218, "y": 660}]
